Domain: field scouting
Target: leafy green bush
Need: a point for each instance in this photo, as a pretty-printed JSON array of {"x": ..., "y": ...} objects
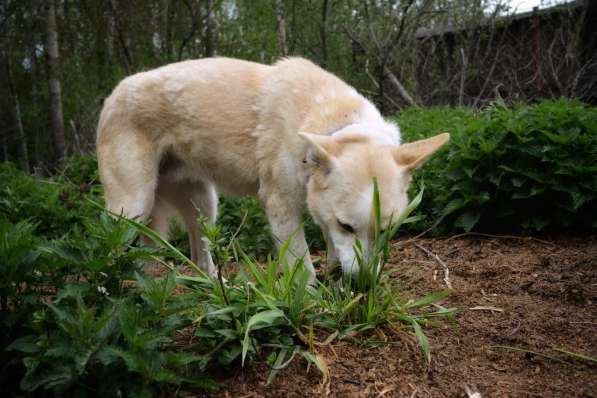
[
  {"x": 524, "y": 168},
  {"x": 76, "y": 312},
  {"x": 255, "y": 234},
  {"x": 56, "y": 206},
  {"x": 126, "y": 339},
  {"x": 81, "y": 170}
]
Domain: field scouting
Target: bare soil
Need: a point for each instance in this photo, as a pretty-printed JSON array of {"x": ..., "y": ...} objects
[{"x": 518, "y": 292}]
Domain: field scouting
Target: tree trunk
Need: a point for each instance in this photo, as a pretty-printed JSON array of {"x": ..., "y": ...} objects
[
  {"x": 36, "y": 78},
  {"x": 110, "y": 35},
  {"x": 323, "y": 33},
  {"x": 54, "y": 82},
  {"x": 4, "y": 148},
  {"x": 281, "y": 28},
  {"x": 209, "y": 30},
  {"x": 128, "y": 58},
  {"x": 24, "y": 158},
  {"x": 195, "y": 22}
]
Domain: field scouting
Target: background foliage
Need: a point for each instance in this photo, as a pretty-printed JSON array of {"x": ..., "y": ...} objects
[
  {"x": 510, "y": 169},
  {"x": 399, "y": 53}
]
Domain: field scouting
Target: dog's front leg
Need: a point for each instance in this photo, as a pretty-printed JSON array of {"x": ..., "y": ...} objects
[
  {"x": 331, "y": 255},
  {"x": 285, "y": 221}
]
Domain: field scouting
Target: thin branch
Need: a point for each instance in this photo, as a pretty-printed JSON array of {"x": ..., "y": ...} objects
[
  {"x": 401, "y": 89},
  {"x": 462, "y": 77},
  {"x": 194, "y": 27},
  {"x": 376, "y": 84},
  {"x": 439, "y": 261},
  {"x": 128, "y": 59},
  {"x": 500, "y": 237}
]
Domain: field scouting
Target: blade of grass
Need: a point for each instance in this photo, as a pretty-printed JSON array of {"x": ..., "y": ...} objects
[
  {"x": 575, "y": 355},
  {"x": 267, "y": 317},
  {"x": 423, "y": 341},
  {"x": 429, "y": 299}
]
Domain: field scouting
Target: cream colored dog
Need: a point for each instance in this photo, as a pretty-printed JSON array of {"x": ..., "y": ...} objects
[{"x": 295, "y": 135}]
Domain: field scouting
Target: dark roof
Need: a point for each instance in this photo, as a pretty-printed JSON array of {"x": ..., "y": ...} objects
[{"x": 448, "y": 29}]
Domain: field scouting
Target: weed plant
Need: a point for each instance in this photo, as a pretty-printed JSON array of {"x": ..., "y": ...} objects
[{"x": 272, "y": 311}]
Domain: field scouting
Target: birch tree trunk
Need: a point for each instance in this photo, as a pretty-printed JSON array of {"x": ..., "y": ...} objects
[{"x": 54, "y": 82}]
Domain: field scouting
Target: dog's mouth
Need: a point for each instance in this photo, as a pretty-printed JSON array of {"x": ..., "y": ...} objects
[
  {"x": 335, "y": 270},
  {"x": 335, "y": 274}
]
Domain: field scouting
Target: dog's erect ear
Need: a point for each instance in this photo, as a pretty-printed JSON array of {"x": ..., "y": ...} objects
[
  {"x": 321, "y": 149},
  {"x": 413, "y": 154}
]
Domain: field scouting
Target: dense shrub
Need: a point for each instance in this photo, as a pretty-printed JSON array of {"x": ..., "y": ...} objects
[
  {"x": 517, "y": 169},
  {"x": 81, "y": 170},
  {"x": 55, "y": 205},
  {"x": 77, "y": 312}
]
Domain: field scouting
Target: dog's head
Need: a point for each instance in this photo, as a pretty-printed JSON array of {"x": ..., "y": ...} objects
[{"x": 340, "y": 188}]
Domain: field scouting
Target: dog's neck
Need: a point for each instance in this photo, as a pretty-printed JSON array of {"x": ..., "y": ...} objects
[
  {"x": 370, "y": 122},
  {"x": 382, "y": 133}
]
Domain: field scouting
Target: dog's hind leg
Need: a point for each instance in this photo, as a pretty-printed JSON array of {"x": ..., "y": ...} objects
[
  {"x": 191, "y": 199},
  {"x": 128, "y": 167}
]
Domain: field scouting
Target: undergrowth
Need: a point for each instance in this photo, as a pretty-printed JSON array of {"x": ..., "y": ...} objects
[{"x": 76, "y": 311}]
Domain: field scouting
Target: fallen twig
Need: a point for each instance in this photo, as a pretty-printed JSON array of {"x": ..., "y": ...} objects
[
  {"x": 486, "y": 308},
  {"x": 439, "y": 261},
  {"x": 515, "y": 329},
  {"x": 499, "y": 237},
  {"x": 414, "y": 238}
]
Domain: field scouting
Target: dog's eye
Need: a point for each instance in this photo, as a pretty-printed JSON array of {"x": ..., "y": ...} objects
[{"x": 347, "y": 227}]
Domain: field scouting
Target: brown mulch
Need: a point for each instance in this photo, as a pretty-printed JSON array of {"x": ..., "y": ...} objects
[{"x": 533, "y": 294}]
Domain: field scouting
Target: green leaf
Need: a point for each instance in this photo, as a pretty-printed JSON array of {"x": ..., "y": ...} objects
[
  {"x": 280, "y": 356},
  {"x": 452, "y": 206},
  {"x": 313, "y": 359},
  {"x": 422, "y": 339},
  {"x": 47, "y": 378},
  {"x": 429, "y": 299},
  {"x": 72, "y": 290},
  {"x": 261, "y": 319},
  {"x": 517, "y": 181},
  {"x": 576, "y": 355},
  {"x": 26, "y": 344},
  {"x": 185, "y": 358},
  {"x": 468, "y": 220}
]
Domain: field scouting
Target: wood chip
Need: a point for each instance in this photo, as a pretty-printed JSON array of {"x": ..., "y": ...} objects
[{"x": 486, "y": 308}]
